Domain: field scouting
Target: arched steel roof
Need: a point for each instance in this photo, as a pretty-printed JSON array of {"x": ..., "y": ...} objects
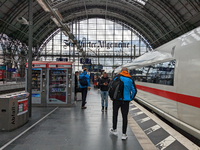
[{"x": 159, "y": 21}]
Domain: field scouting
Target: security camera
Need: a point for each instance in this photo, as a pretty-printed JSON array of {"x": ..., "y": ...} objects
[{"x": 22, "y": 20}]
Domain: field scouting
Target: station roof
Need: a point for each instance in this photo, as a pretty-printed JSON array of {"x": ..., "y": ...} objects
[{"x": 159, "y": 21}]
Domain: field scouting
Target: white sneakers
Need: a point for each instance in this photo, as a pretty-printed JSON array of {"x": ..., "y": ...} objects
[
  {"x": 124, "y": 136},
  {"x": 113, "y": 131}
]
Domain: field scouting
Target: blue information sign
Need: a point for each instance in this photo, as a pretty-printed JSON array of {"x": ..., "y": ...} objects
[
  {"x": 98, "y": 67},
  {"x": 11, "y": 70},
  {"x": 85, "y": 61},
  {"x": 87, "y": 66},
  {"x": 61, "y": 59},
  {"x": 3, "y": 67}
]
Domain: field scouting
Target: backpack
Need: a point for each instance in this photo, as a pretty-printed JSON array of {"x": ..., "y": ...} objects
[
  {"x": 83, "y": 81},
  {"x": 116, "y": 89}
]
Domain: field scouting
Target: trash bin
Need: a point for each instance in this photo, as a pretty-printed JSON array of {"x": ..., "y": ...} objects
[{"x": 13, "y": 110}]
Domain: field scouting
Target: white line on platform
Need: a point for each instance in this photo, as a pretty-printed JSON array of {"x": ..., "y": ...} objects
[
  {"x": 183, "y": 140},
  {"x": 134, "y": 108},
  {"x": 152, "y": 129},
  {"x": 143, "y": 120},
  {"x": 166, "y": 142},
  {"x": 27, "y": 130},
  {"x": 138, "y": 113}
]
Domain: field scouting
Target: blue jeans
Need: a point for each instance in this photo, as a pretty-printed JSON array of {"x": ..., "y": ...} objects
[{"x": 104, "y": 98}]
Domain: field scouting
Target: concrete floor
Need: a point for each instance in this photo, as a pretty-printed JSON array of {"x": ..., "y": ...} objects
[
  {"x": 73, "y": 129},
  {"x": 77, "y": 129}
]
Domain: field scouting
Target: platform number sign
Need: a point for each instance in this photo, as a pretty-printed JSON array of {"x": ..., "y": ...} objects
[
  {"x": 85, "y": 61},
  {"x": 88, "y": 61}
]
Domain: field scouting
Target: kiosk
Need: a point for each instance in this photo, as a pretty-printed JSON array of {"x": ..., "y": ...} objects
[{"x": 52, "y": 83}]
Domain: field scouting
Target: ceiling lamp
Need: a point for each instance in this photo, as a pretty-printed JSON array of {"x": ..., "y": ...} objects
[{"x": 43, "y": 5}]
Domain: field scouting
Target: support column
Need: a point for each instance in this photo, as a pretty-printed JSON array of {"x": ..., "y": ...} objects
[
  {"x": 52, "y": 47},
  {"x": 60, "y": 43},
  {"x": 30, "y": 44},
  {"x": 131, "y": 45},
  {"x": 114, "y": 42},
  {"x": 139, "y": 46},
  {"x": 122, "y": 44},
  {"x": 134, "y": 52}
]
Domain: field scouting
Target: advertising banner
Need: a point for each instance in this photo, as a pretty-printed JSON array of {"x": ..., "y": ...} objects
[{"x": 22, "y": 106}]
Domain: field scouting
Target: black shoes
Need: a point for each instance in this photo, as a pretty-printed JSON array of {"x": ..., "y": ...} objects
[
  {"x": 106, "y": 108},
  {"x": 102, "y": 108}
]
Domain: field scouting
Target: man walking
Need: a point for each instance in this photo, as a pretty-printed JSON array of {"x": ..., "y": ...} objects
[
  {"x": 84, "y": 83},
  {"x": 128, "y": 94},
  {"x": 104, "y": 81}
]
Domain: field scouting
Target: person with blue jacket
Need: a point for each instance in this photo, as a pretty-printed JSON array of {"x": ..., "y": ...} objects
[
  {"x": 84, "y": 88},
  {"x": 128, "y": 94}
]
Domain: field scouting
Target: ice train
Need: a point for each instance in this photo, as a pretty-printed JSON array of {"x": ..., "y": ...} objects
[{"x": 168, "y": 81}]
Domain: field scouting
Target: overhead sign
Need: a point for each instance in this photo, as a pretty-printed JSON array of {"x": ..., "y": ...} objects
[
  {"x": 85, "y": 61},
  {"x": 87, "y": 67},
  {"x": 11, "y": 70},
  {"x": 97, "y": 67},
  {"x": 61, "y": 59},
  {"x": 2, "y": 67},
  {"x": 99, "y": 44},
  {"x": 94, "y": 68}
]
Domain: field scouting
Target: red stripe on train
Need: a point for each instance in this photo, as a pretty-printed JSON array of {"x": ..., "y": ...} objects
[{"x": 185, "y": 99}]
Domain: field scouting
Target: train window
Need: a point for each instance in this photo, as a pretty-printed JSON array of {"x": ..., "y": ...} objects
[{"x": 162, "y": 73}]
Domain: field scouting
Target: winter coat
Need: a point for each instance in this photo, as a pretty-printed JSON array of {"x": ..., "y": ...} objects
[
  {"x": 104, "y": 80},
  {"x": 129, "y": 89},
  {"x": 84, "y": 73}
]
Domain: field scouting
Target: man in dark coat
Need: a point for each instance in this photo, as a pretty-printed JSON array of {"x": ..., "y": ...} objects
[{"x": 103, "y": 83}]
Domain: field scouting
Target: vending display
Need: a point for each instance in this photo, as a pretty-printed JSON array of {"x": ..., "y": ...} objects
[
  {"x": 38, "y": 82},
  {"x": 36, "y": 79},
  {"x": 52, "y": 83},
  {"x": 57, "y": 85}
]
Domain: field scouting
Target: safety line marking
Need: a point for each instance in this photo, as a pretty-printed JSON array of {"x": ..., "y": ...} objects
[
  {"x": 166, "y": 142},
  {"x": 143, "y": 120},
  {"x": 179, "y": 137},
  {"x": 138, "y": 113},
  {"x": 133, "y": 108},
  {"x": 142, "y": 138},
  {"x": 152, "y": 129},
  {"x": 27, "y": 130}
]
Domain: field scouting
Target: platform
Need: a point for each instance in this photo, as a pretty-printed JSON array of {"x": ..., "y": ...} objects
[
  {"x": 11, "y": 87},
  {"x": 55, "y": 128}
]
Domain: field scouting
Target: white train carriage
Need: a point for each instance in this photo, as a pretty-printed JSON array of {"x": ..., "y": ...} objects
[{"x": 168, "y": 81}]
